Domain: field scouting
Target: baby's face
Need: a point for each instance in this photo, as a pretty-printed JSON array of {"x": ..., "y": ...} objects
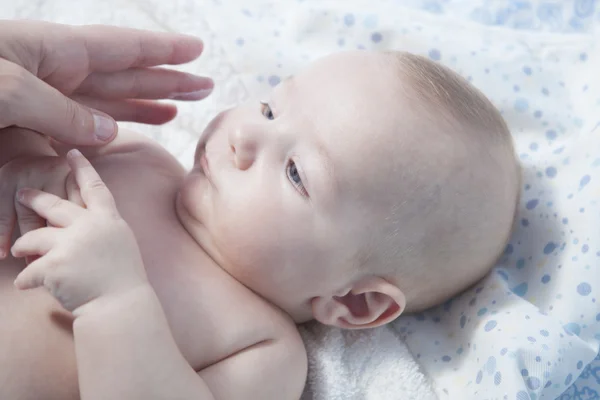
[{"x": 282, "y": 193}]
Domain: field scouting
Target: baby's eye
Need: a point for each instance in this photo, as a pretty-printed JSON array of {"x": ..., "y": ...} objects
[
  {"x": 266, "y": 110},
  {"x": 294, "y": 177}
]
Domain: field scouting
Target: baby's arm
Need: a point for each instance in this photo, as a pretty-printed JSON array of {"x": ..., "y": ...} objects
[
  {"x": 145, "y": 363},
  {"x": 274, "y": 368}
]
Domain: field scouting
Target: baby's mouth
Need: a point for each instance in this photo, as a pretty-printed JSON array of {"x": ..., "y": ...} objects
[{"x": 202, "y": 165}]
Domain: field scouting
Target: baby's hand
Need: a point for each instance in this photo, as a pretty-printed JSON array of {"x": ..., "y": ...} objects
[
  {"x": 47, "y": 173},
  {"x": 89, "y": 254}
]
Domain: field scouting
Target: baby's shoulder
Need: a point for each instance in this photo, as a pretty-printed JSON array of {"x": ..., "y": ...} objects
[{"x": 128, "y": 143}]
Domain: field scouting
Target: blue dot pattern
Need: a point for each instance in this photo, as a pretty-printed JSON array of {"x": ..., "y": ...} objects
[{"x": 531, "y": 328}]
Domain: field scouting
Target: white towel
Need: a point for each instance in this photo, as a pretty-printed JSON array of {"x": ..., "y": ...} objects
[{"x": 348, "y": 364}]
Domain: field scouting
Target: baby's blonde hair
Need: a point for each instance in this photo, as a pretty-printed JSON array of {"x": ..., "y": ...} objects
[{"x": 466, "y": 210}]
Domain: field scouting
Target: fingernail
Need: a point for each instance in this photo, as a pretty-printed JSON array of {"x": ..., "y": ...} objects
[
  {"x": 196, "y": 95},
  {"x": 73, "y": 153},
  {"x": 20, "y": 194},
  {"x": 104, "y": 127}
]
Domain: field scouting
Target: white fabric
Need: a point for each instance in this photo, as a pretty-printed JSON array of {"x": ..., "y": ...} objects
[
  {"x": 528, "y": 329},
  {"x": 369, "y": 365}
]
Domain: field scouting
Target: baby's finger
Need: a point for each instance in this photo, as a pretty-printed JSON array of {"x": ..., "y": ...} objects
[
  {"x": 93, "y": 191},
  {"x": 32, "y": 276},
  {"x": 73, "y": 191},
  {"x": 35, "y": 243},
  {"x": 53, "y": 209}
]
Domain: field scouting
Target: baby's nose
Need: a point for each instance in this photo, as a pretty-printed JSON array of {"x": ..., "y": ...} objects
[{"x": 244, "y": 144}]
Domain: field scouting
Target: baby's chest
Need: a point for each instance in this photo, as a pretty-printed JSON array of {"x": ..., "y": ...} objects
[{"x": 211, "y": 315}]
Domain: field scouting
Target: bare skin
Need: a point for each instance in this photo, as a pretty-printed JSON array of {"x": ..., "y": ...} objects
[{"x": 211, "y": 316}]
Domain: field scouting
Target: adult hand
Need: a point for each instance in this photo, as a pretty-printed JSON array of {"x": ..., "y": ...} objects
[
  {"x": 73, "y": 82},
  {"x": 48, "y": 173}
]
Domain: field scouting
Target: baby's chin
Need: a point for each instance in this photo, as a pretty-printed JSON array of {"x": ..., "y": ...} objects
[{"x": 187, "y": 205}]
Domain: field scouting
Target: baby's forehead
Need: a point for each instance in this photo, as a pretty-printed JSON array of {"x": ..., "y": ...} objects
[
  {"x": 354, "y": 92},
  {"x": 353, "y": 72},
  {"x": 355, "y": 104}
]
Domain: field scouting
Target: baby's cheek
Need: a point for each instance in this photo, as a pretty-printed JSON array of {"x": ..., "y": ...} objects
[
  {"x": 250, "y": 236},
  {"x": 192, "y": 196}
]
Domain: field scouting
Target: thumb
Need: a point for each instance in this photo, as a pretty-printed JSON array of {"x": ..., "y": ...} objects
[{"x": 34, "y": 104}]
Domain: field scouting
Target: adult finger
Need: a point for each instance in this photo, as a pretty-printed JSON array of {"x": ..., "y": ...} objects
[
  {"x": 7, "y": 225},
  {"x": 112, "y": 48},
  {"x": 142, "y": 111},
  {"x": 7, "y": 209},
  {"x": 100, "y": 48},
  {"x": 30, "y": 103},
  {"x": 28, "y": 219},
  {"x": 53, "y": 209},
  {"x": 93, "y": 191},
  {"x": 146, "y": 83}
]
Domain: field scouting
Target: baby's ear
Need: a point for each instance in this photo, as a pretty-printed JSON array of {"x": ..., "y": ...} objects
[{"x": 370, "y": 302}]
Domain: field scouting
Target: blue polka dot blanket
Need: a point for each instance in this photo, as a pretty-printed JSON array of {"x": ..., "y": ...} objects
[{"x": 531, "y": 328}]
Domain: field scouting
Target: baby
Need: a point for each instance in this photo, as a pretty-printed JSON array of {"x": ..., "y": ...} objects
[{"x": 369, "y": 185}]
